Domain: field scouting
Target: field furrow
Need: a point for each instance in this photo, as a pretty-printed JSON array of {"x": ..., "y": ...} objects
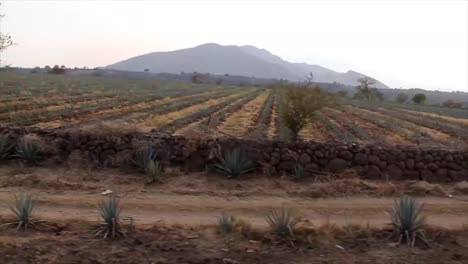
[
  {"x": 440, "y": 118},
  {"x": 213, "y": 120},
  {"x": 418, "y": 134},
  {"x": 241, "y": 121},
  {"x": 158, "y": 121},
  {"x": 259, "y": 128},
  {"x": 122, "y": 113},
  {"x": 453, "y": 130},
  {"x": 336, "y": 131},
  {"x": 375, "y": 131},
  {"x": 272, "y": 128}
]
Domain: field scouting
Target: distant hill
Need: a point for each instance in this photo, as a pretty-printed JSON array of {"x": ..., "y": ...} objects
[{"x": 234, "y": 60}]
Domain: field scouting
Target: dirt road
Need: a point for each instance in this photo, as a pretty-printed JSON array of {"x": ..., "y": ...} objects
[{"x": 201, "y": 210}]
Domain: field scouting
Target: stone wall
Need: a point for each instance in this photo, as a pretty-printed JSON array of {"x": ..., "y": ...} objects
[{"x": 276, "y": 158}]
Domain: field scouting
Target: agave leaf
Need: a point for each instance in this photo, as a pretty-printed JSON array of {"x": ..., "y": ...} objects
[
  {"x": 27, "y": 151},
  {"x": 234, "y": 163},
  {"x": 143, "y": 156},
  {"x": 23, "y": 209},
  {"x": 282, "y": 222},
  {"x": 5, "y": 147},
  {"x": 406, "y": 218}
]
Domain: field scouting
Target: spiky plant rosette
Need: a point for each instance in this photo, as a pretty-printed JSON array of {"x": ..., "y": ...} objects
[
  {"x": 154, "y": 171},
  {"x": 23, "y": 209},
  {"x": 27, "y": 151},
  {"x": 234, "y": 163},
  {"x": 407, "y": 220},
  {"x": 109, "y": 210},
  {"x": 299, "y": 172},
  {"x": 225, "y": 224},
  {"x": 5, "y": 147},
  {"x": 143, "y": 156},
  {"x": 282, "y": 222}
]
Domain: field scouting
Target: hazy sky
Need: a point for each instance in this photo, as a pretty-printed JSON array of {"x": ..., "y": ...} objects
[{"x": 401, "y": 43}]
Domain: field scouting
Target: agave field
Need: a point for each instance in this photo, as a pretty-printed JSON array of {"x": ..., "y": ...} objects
[{"x": 179, "y": 108}]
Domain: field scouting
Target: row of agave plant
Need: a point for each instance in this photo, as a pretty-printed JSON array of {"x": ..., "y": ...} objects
[
  {"x": 406, "y": 219},
  {"x": 231, "y": 163},
  {"x": 25, "y": 150},
  {"x": 25, "y": 205}
]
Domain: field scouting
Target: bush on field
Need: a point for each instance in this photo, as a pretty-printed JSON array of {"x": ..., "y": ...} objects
[
  {"x": 419, "y": 98},
  {"x": 299, "y": 105}
]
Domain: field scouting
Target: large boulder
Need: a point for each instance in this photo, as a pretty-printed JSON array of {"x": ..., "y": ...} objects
[
  {"x": 337, "y": 165},
  {"x": 360, "y": 159},
  {"x": 394, "y": 172}
]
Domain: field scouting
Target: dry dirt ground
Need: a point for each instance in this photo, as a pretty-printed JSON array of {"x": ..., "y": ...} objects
[{"x": 174, "y": 221}]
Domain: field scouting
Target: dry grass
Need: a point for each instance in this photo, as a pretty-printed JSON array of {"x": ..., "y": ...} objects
[
  {"x": 244, "y": 119},
  {"x": 161, "y": 120},
  {"x": 460, "y": 121}
]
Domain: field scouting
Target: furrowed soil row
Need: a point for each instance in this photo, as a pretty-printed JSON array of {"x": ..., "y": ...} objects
[
  {"x": 439, "y": 110},
  {"x": 83, "y": 113},
  {"x": 444, "y": 119},
  {"x": 162, "y": 120},
  {"x": 203, "y": 113},
  {"x": 380, "y": 128},
  {"x": 358, "y": 132},
  {"x": 337, "y": 131},
  {"x": 418, "y": 134},
  {"x": 215, "y": 119},
  {"x": 65, "y": 107},
  {"x": 141, "y": 117},
  {"x": 377, "y": 133},
  {"x": 272, "y": 127},
  {"x": 122, "y": 112},
  {"x": 239, "y": 122},
  {"x": 36, "y": 104},
  {"x": 259, "y": 127},
  {"x": 453, "y": 130}
]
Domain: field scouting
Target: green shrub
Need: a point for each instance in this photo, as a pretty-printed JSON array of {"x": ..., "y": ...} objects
[
  {"x": 282, "y": 222},
  {"x": 27, "y": 151},
  {"x": 234, "y": 163},
  {"x": 5, "y": 147},
  {"x": 143, "y": 156},
  {"x": 109, "y": 210},
  {"x": 225, "y": 224},
  {"x": 23, "y": 209},
  {"x": 299, "y": 172},
  {"x": 299, "y": 105},
  {"x": 407, "y": 220},
  {"x": 154, "y": 171}
]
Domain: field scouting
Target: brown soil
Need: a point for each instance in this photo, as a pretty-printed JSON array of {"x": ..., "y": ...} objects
[
  {"x": 196, "y": 199},
  {"x": 174, "y": 221},
  {"x": 244, "y": 119},
  {"x": 377, "y": 132},
  {"x": 161, "y": 120}
]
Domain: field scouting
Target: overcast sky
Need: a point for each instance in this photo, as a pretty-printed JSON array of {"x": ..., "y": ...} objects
[{"x": 401, "y": 43}]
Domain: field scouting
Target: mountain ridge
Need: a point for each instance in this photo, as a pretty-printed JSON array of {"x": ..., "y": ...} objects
[{"x": 244, "y": 60}]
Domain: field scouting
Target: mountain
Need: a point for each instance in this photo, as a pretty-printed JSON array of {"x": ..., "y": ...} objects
[{"x": 234, "y": 60}]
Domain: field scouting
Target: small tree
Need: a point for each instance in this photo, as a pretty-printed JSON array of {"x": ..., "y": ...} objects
[
  {"x": 309, "y": 79},
  {"x": 300, "y": 104},
  {"x": 36, "y": 69},
  {"x": 146, "y": 70},
  {"x": 401, "y": 98},
  {"x": 5, "y": 41},
  {"x": 366, "y": 91},
  {"x": 57, "y": 70},
  {"x": 419, "y": 98}
]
